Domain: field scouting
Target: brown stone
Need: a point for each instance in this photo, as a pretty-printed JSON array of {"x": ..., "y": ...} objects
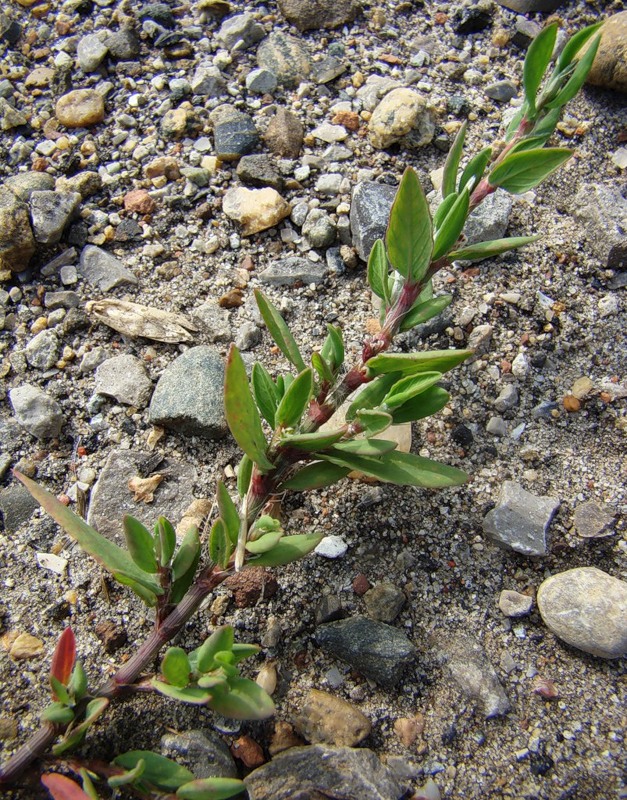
[
  {"x": 248, "y": 751},
  {"x": 164, "y": 165},
  {"x": 283, "y": 738},
  {"x": 284, "y": 135},
  {"x": 251, "y": 585},
  {"x": 349, "y": 119},
  {"x": 315, "y": 14},
  {"x": 26, "y": 646},
  {"x": 80, "y": 108},
  {"x": 609, "y": 68},
  {"x": 138, "y": 201},
  {"x": 111, "y": 636},
  {"x": 332, "y": 720},
  {"x": 17, "y": 243}
]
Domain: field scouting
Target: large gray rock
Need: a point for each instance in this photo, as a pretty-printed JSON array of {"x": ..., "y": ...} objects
[
  {"x": 286, "y": 57},
  {"x": 586, "y": 608},
  {"x": 490, "y": 219},
  {"x": 25, "y": 183},
  {"x": 51, "y": 212},
  {"x": 291, "y": 270},
  {"x": 520, "y": 520},
  {"x": 602, "y": 213},
  {"x": 126, "y": 379},
  {"x": 17, "y": 505},
  {"x": 189, "y": 395},
  {"x": 17, "y": 243},
  {"x": 36, "y": 411},
  {"x": 378, "y": 651},
  {"x": 370, "y": 209},
  {"x": 103, "y": 270},
  {"x": 307, "y": 773},
  {"x": 314, "y": 14}
]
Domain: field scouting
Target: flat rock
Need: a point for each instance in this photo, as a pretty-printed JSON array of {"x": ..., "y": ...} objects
[
  {"x": 17, "y": 506},
  {"x": 42, "y": 352},
  {"x": 103, "y": 270},
  {"x": 51, "y": 212},
  {"x": 240, "y": 31},
  {"x": 586, "y": 608},
  {"x": 284, "y": 134},
  {"x": 320, "y": 771},
  {"x": 188, "y": 396},
  {"x": 10, "y": 117},
  {"x": 214, "y": 320},
  {"x": 208, "y": 81},
  {"x": 384, "y": 602},
  {"x": 531, "y": 6},
  {"x": 286, "y": 57},
  {"x": 314, "y": 14},
  {"x": 126, "y": 379},
  {"x": 17, "y": 243},
  {"x": 25, "y": 183},
  {"x": 91, "y": 52},
  {"x": 328, "y": 719},
  {"x": 202, "y": 752},
  {"x": 370, "y": 209},
  {"x": 111, "y": 497},
  {"x": 401, "y": 115},
  {"x": 80, "y": 108},
  {"x": 378, "y": 651},
  {"x": 319, "y": 229},
  {"x": 258, "y": 170},
  {"x": 514, "y": 604},
  {"x": 609, "y": 68},
  {"x": 255, "y": 209},
  {"x": 234, "y": 135},
  {"x": 593, "y": 520},
  {"x": 291, "y": 270},
  {"x": 520, "y": 520},
  {"x": 601, "y": 210},
  {"x": 36, "y": 411}
]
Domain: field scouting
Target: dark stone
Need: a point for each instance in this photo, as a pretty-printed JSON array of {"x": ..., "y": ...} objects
[
  {"x": 10, "y": 30},
  {"x": 284, "y": 135},
  {"x": 291, "y": 270},
  {"x": 526, "y": 32},
  {"x": 285, "y": 56},
  {"x": 17, "y": 505},
  {"x": 370, "y": 210},
  {"x": 259, "y": 171},
  {"x": 159, "y": 12},
  {"x": 235, "y": 136},
  {"x": 128, "y": 230},
  {"x": 462, "y": 435},
  {"x": 472, "y": 18},
  {"x": 315, "y": 14},
  {"x": 531, "y": 6},
  {"x": 123, "y": 45},
  {"x": 457, "y": 104},
  {"x": 203, "y": 752},
  {"x": 329, "y": 609},
  {"x": 501, "y": 91}
]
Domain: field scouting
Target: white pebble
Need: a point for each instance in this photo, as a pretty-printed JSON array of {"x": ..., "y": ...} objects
[{"x": 331, "y": 547}]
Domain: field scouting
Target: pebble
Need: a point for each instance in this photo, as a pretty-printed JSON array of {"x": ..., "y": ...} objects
[
  {"x": 261, "y": 81},
  {"x": 384, "y": 602},
  {"x": 480, "y": 338},
  {"x": 26, "y": 647},
  {"x": 255, "y": 209},
  {"x": 91, "y": 52},
  {"x": 199, "y": 410},
  {"x": 103, "y": 270},
  {"x": 17, "y": 244},
  {"x": 520, "y": 366},
  {"x": 25, "y": 183},
  {"x": 51, "y": 212},
  {"x": 586, "y": 608},
  {"x": 378, "y": 651},
  {"x": 520, "y": 520},
  {"x": 258, "y": 170},
  {"x": 319, "y": 229},
  {"x": 601, "y": 210},
  {"x": 36, "y": 411},
  {"x": 331, "y": 547},
  {"x": 208, "y": 81},
  {"x": 240, "y": 32},
  {"x": 609, "y": 68},
  {"x": 473, "y": 18},
  {"x": 321, "y": 14},
  {"x": 507, "y": 399},
  {"x": 80, "y": 108},
  {"x": 42, "y": 352},
  {"x": 490, "y": 219},
  {"x": 17, "y": 505},
  {"x": 138, "y": 201},
  {"x": 10, "y": 117},
  {"x": 609, "y": 305},
  {"x": 370, "y": 208},
  {"x": 593, "y": 520},
  {"x": 330, "y": 134},
  {"x": 328, "y": 719},
  {"x": 324, "y": 771},
  {"x": 401, "y": 115},
  {"x": 502, "y": 91},
  {"x": 514, "y": 604},
  {"x": 235, "y": 135},
  {"x": 214, "y": 320},
  {"x": 619, "y": 158},
  {"x": 531, "y": 6},
  {"x": 284, "y": 134},
  {"x": 291, "y": 270},
  {"x": 247, "y": 336},
  {"x": 201, "y": 751},
  {"x": 125, "y": 378},
  {"x": 286, "y": 57}
]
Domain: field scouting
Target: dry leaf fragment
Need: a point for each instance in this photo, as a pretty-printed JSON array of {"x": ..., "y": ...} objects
[
  {"x": 155, "y": 435},
  {"x": 133, "y": 319},
  {"x": 144, "y": 488}
]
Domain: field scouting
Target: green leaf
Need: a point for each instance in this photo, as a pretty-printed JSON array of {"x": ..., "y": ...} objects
[
  {"x": 175, "y": 667},
  {"x": 279, "y": 331},
  {"x": 333, "y": 347},
  {"x": 221, "y": 639},
  {"x": 244, "y": 700},
  {"x": 78, "y": 682},
  {"x": 295, "y": 400},
  {"x": 146, "y": 595},
  {"x": 411, "y": 363},
  {"x": 371, "y": 395},
  {"x": 158, "y": 770},
  {"x": 241, "y": 412},
  {"x": 58, "y": 713},
  {"x": 289, "y": 549},
  {"x": 523, "y": 171},
  {"x": 213, "y": 680},
  {"x": 530, "y": 142},
  {"x": 311, "y": 442},
  {"x": 490, "y": 249},
  {"x": 403, "y": 469},
  {"x": 577, "y": 79},
  {"x": 545, "y": 126},
  {"x": 130, "y": 776},
  {"x": 452, "y": 162},
  {"x": 378, "y": 271},
  {"x": 228, "y": 512},
  {"x": 365, "y": 447},
  {"x": 165, "y": 541},
  {"x": 409, "y": 236},
  {"x": 515, "y": 122},
  {"x": 243, "y": 650},
  {"x": 537, "y": 60},
  {"x": 322, "y": 368},
  {"x": 140, "y": 544},
  {"x": 574, "y": 45},
  {"x": 423, "y": 405},
  {"x": 452, "y": 226},
  {"x": 59, "y": 691},
  {"x": 190, "y": 694},
  {"x": 315, "y": 476},
  {"x": 266, "y": 393},
  {"x": 244, "y": 474},
  {"x": 373, "y": 422},
  {"x": 75, "y": 735},
  {"x": 443, "y": 209},
  {"x": 185, "y": 564},
  {"x": 112, "y": 557},
  {"x": 423, "y": 312},
  {"x": 473, "y": 172},
  {"x": 211, "y": 789},
  {"x": 220, "y": 545},
  {"x": 265, "y": 542},
  {"x": 407, "y": 388}
]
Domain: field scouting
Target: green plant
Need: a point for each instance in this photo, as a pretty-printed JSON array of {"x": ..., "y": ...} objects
[{"x": 278, "y": 423}]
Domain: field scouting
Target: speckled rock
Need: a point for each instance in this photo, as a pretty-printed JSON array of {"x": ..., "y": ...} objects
[
  {"x": 80, "y": 108},
  {"x": 520, "y": 520},
  {"x": 234, "y": 135},
  {"x": 384, "y": 601},
  {"x": 124, "y": 378},
  {"x": 51, "y": 213},
  {"x": 601, "y": 210},
  {"x": 402, "y": 114},
  {"x": 255, "y": 209},
  {"x": 609, "y": 68},
  {"x": 240, "y": 32},
  {"x": 17, "y": 243},
  {"x": 25, "y": 183},
  {"x": 314, "y": 14},
  {"x": 370, "y": 209},
  {"x": 91, "y": 52},
  {"x": 586, "y": 608},
  {"x": 102, "y": 269},
  {"x": 286, "y": 57},
  {"x": 593, "y": 520},
  {"x": 284, "y": 135},
  {"x": 36, "y": 411},
  {"x": 319, "y": 228},
  {"x": 291, "y": 270},
  {"x": 258, "y": 170},
  {"x": 43, "y": 350},
  {"x": 325, "y": 718},
  {"x": 203, "y": 752},
  {"x": 10, "y": 117}
]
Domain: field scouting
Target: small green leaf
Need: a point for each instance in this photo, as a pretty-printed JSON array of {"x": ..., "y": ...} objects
[
  {"x": 265, "y": 542},
  {"x": 244, "y": 473},
  {"x": 158, "y": 770},
  {"x": 228, "y": 512},
  {"x": 423, "y": 312},
  {"x": 221, "y": 639},
  {"x": 373, "y": 422},
  {"x": 213, "y": 681},
  {"x": 365, "y": 447},
  {"x": 130, "y": 776},
  {"x": 165, "y": 541},
  {"x": 243, "y": 650},
  {"x": 311, "y": 442},
  {"x": 407, "y": 388},
  {"x": 175, "y": 667},
  {"x": 378, "y": 271},
  {"x": 140, "y": 544},
  {"x": 146, "y": 595},
  {"x": 59, "y": 691},
  {"x": 443, "y": 209},
  {"x": 523, "y": 171},
  {"x": 289, "y": 549},
  {"x": 266, "y": 393},
  {"x": 371, "y": 395},
  {"x": 452, "y": 162},
  {"x": 78, "y": 682},
  {"x": 574, "y": 45},
  {"x": 577, "y": 79},
  {"x": 58, "y": 713},
  {"x": 452, "y": 226},
  {"x": 403, "y": 469},
  {"x": 481, "y": 250},
  {"x": 423, "y": 405},
  {"x": 220, "y": 545},
  {"x": 473, "y": 172},
  {"x": 411, "y": 363},
  {"x": 190, "y": 694},
  {"x": 241, "y": 412},
  {"x": 244, "y": 700},
  {"x": 315, "y": 476},
  {"x": 279, "y": 331},
  {"x": 185, "y": 564},
  {"x": 409, "y": 237},
  {"x": 75, "y": 735},
  {"x": 322, "y": 368},
  {"x": 295, "y": 400},
  {"x": 211, "y": 789},
  {"x": 333, "y": 347},
  {"x": 537, "y": 60},
  {"x": 545, "y": 126},
  {"x": 515, "y": 122}
]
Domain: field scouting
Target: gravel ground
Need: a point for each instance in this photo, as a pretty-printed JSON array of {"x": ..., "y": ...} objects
[{"x": 557, "y": 303}]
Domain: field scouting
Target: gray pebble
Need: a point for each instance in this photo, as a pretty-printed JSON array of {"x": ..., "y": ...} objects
[
  {"x": 507, "y": 399},
  {"x": 319, "y": 229},
  {"x": 202, "y": 752},
  {"x": 290, "y": 270},
  {"x": 91, "y": 52},
  {"x": 36, "y": 411},
  {"x": 247, "y": 336},
  {"x": 261, "y": 81},
  {"x": 370, "y": 208},
  {"x": 42, "y": 352},
  {"x": 124, "y": 378},
  {"x": 514, "y": 604},
  {"x": 502, "y": 91},
  {"x": 240, "y": 32},
  {"x": 384, "y": 601}
]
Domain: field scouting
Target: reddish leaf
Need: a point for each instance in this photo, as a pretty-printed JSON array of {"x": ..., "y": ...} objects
[
  {"x": 62, "y": 788},
  {"x": 64, "y": 657}
]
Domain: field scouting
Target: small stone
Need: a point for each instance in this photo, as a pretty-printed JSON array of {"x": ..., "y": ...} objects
[
  {"x": 571, "y": 403},
  {"x": 202, "y": 752},
  {"x": 593, "y": 520},
  {"x": 35, "y": 411},
  {"x": 531, "y": 6},
  {"x": 25, "y": 183},
  {"x": 103, "y": 270},
  {"x": 609, "y": 305},
  {"x": 284, "y": 135},
  {"x": 319, "y": 229},
  {"x": 286, "y": 57},
  {"x": 601, "y": 211},
  {"x": 619, "y": 158},
  {"x": 261, "y": 81},
  {"x": 283, "y": 737},
  {"x": 384, "y": 602},
  {"x": 167, "y": 166},
  {"x": 52, "y": 562},
  {"x": 251, "y": 585},
  {"x": 609, "y": 68},
  {"x": 17, "y": 506},
  {"x": 514, "y": 604},
  {"x": 408, "y": 729},
  {"x": 214, "y": 320},
  {"x": 80, "y": 108},
  {"x": 10, "y": 117},
  {"x": 124, "y": 378},
  {"x": 501, "y": 91},
  {"x": 291, "y": 270},
  {"x": 331, "y": 547},
  {"x": 370, "y": 209},
  {"x": 26, "y": 647},
  {"x": 255, "y": 209},
  {"x": 306, "y": 15},
  {"x": 123, "y": 45},
  {"x": 138, "y": 201},
  {"x": 473, "y": 18},
  {"x": 490, "y": 219},
  {"x": 17, "y": 243},
  {"x": 586, "y": 608},
  {"x": 51, "y": 212},
  {"x": 581, "y": 388},
  {"x": 520, "y": 520},
  {"x": 234, "y": 135},
  {"x": 247, "y": 336},
  {"x": 180, "y": 122},
  {"x": 8, "y": 729},
  {"x": 520, "y": 366},
  {"x": 326, "y": 718},
  {"x": 240, "y": 31},
  {"x": 85, "y": 183},
  {"x": 330, "y": 133},
  {"x": 91, "y": 52},
  {"x": 42, "y": 352},
  {"x": 258, "y": 170},
  {"x": 208, "y": 81},
  {"x": 480, "y": 338},
  {"x": 402, "y": 114},
  {"x": 112, "y": 636},
  {"x": 507, "y": 399}
]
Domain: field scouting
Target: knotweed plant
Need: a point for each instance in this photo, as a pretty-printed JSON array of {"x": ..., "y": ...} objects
[{"x": 281, "y": 425}]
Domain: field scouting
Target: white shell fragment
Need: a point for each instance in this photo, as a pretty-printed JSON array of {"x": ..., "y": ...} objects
[
  {"x": 52, "y": 562},
  {"x": 133, "y": 319}
]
